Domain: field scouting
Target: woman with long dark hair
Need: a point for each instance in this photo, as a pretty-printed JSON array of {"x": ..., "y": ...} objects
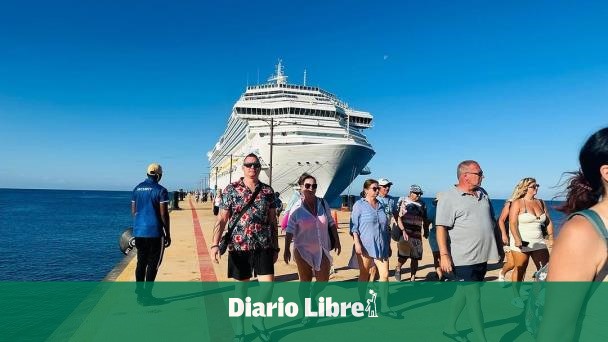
[{"x": 580, "y": 251}]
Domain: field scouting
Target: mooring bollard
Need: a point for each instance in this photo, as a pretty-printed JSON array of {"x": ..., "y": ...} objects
[{"x": 175, "y": 205}]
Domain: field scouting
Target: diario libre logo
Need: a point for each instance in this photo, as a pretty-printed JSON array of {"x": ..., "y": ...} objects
[{"x": 325, "y": 307}]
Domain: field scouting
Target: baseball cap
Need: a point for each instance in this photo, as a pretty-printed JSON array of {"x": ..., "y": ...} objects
[
  {"x": 415, "y": 188},
  {"x": 384, "y": 182},
  {"x": 155, "y": 169}
]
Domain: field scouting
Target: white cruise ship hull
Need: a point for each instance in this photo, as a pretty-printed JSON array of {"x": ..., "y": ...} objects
[{"x": 334, "y": 165}]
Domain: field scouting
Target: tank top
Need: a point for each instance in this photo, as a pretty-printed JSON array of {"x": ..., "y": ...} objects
[{"x": 593, "y": 323}]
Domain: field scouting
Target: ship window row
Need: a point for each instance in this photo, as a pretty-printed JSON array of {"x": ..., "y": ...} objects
[
  {"x": 270, "y": 97},
  {"x": 288, "y": 86},
  {"x": 356, "y": 119},
  {"x": 304, "y": 133},
  {"x": 282, "y": 92},
  {"x": 284, "y": 111}
]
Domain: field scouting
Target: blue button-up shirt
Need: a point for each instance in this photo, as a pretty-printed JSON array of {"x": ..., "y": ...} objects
[{"x": 370, "y": 224}]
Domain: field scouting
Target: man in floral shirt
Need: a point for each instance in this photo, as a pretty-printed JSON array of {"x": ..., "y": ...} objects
[{"x": 254, "y": 245}]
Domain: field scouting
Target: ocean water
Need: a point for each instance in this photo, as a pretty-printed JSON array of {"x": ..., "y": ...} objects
[{"x": 52, "y": 235}]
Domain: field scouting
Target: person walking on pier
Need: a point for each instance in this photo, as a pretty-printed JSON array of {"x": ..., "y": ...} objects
[
  {"x": 151, "y": 229},
  {"x": 465, "y": 217},
  {"x": 414, "y": 224},
  {"x": 527, "y": 216},
  {"x": 314, "y": 234},
  {"x": 248, "y": 207},
  {"x": 371, "y": 241},
  {"x": 390, "y": 208}
]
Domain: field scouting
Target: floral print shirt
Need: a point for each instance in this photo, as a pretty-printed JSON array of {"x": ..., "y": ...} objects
[{"x": 254, "y": 228}]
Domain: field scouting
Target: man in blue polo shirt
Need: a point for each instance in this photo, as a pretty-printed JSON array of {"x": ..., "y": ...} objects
[{"x": 149, "y": 207}]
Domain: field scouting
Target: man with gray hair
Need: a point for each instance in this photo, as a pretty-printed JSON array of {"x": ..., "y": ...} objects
[{"x": 465, "y": 216}]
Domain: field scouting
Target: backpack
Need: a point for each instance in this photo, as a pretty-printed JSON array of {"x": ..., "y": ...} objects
[{"x": 536, "y": 300}]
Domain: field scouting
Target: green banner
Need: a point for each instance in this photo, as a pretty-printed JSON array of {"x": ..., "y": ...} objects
[{"x": 336, "y": 311}]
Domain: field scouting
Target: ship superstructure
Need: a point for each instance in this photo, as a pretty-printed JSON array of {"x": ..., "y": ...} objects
[{"x": 296, "y": 129}]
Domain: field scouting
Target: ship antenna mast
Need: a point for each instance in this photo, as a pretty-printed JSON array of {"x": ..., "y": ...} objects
[
  {"x": 304, "y": 76},
  {"x": 279, "y": 77}
]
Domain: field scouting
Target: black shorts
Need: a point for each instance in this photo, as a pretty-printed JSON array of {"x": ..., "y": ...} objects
[
  {"x": 244, "y": 264},
  {"x": 475, "y": 272}
]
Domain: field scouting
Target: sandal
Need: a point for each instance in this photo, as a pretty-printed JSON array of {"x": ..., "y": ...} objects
[
  {"x": 458, "y": 337},
  {"x": 263, "y": 334}
]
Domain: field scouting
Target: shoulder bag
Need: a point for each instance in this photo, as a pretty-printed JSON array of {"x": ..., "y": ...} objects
[
  {"x": 332, "y": 240},
  {"x": 226, "y": 239}
]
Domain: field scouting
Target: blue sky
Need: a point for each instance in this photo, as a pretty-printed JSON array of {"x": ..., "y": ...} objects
[{"x": 91, "y": 92}]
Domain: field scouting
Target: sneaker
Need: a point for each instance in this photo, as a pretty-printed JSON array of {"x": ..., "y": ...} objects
[
  {"x": 501, "y": 277},
  {"x": 398, "y": 274}
]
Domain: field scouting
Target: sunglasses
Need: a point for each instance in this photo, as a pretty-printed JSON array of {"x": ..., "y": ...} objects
[
  {"x": 480, "y": 173},
  {"x": 308, "y": 186},
  {"x": 417, "y": 193},
  {"x": 535, "y": 186},
  {"x": 252, "y": 165},
  {"x": 375, "y": 188}
]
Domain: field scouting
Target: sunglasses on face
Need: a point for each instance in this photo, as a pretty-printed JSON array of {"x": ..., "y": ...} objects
[
  {"x": 417, "y": 193},
  {"x": 252, "y": 165},
  {"x": 535, "y": 186},
  {"x": 479, "y": 174},
  {"x": 374, "y": 188},
  {"x": 308, "y": 186}
]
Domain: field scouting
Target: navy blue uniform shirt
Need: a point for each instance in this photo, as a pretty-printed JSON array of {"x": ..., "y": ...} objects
[{"x": 147, "y": 196}]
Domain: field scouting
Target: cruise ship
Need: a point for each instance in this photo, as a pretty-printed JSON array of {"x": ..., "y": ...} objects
[{"x": 293, "y": 129}]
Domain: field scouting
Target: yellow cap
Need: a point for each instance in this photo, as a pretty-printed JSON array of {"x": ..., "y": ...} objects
[{"x": 155, "y": 169}]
